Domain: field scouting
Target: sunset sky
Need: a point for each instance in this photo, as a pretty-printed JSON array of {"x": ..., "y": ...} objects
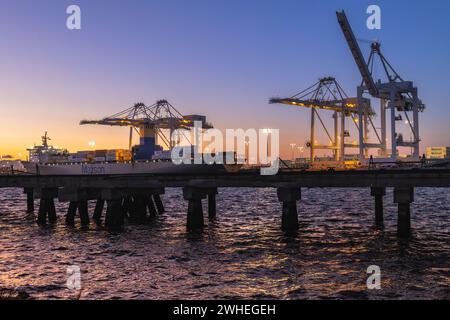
[{"x": 223, "y": 59}]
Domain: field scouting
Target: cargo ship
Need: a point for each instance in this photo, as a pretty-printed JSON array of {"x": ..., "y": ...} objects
[
  {"x": 147, "y": 157},
  {"x": 46, "y": 159}
]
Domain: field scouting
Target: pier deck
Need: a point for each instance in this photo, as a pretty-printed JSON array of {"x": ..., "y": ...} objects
[{"x": 438, "y": 178}]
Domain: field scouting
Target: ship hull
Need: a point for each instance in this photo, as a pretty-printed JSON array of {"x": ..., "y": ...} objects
[{"x": 160, "y": 167}]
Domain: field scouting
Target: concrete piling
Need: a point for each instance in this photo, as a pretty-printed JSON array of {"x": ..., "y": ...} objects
[
  {"x": 404, "y": 197},
  {"x": 378, "y": 194},
  {"x": 114, "y": 218},
  {"x": 78, "y": 200},
  {"x": 151, "y": 206},
  {"x": 30, "y": 199},
  {"x": 83, "y": 211},
  {"x": 42, "y": 214},
  {"x": 404, "y": 220},
  {"x": 82, "y": 207},
  {"x": 158, "y": 203},
  {"x": 30, "y": 203},
  {"x": 289, "y": 220},
  {"x": 117, "y": 221},
  {"x": 194, "y": 197},
  {"x": 51, "y": 211},
  {"x": 195, "y": 214},
  {"x": 138, "y": 201},
  {"x": 114, "y": 215},
  {"x": 127, "y": 207},
  {"x": 139, "y": 214},
  {"x": 289, "y": 197},
  {"x": 99, "y": 205},
  {"x": 212, "y": 205},
  {"x": 71, "y": 212},
  {"x": 46, "y": 205},
  {"x": 46, "y": 210},
  {"x": 108, "y": 213}
]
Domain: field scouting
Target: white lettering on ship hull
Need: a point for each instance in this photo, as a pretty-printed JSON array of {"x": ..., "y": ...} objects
[{"x": 92, "y": 169}]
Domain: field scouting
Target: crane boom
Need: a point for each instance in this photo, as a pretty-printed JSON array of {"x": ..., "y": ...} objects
[
  {"x": 356, "y": 52},
  {"x": 334, "y": 105}
]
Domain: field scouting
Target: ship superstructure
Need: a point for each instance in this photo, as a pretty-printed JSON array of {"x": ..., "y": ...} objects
[{"x": 46, "y": 153}]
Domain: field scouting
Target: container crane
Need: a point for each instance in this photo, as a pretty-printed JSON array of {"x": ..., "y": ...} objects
[
  {"x": 396, "y": 94},
  {"x": 327, "y": 94},
  {"x": 150, "y": 122}
]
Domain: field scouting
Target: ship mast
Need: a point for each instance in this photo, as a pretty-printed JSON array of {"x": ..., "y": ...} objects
[{"x": 45, "y": 139}]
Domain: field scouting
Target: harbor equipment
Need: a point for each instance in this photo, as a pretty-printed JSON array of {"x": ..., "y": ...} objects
[
  {"x": 394, "y": 93},
  {"x": 328, "y": 94},
  {"x": 152, "y": 123}
]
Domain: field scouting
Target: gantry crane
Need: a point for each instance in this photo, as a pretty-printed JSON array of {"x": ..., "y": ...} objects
[
  {"x": 396, "y": 94},
  {"x": 150, "y": 122},
  {"x": 327, "y": 94}
]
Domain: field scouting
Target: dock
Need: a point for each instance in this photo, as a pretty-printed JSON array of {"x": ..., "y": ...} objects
[{"x": 137, "y": 197}]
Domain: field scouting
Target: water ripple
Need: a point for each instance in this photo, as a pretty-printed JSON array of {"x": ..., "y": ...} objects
[{"x": 241, "y": 255}]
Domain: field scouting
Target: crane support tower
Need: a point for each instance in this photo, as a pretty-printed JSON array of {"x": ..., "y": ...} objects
[
  {"x": 327, "y": 94},
  {"x": 394, "y": 94}
]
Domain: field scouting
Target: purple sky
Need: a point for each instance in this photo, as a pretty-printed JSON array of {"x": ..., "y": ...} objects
[{"x": 224, "y": 59}]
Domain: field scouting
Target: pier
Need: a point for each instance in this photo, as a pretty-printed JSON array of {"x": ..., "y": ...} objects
[{"x": 138, "y": 197}]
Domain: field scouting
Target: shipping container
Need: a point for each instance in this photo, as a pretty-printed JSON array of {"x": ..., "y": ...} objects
[
  {"x": 118, "y": 155},
  {"x": 100, "y": 153}
]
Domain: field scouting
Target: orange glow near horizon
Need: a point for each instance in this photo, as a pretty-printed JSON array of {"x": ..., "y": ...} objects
[
  {"x": 53, "y": 77},
  {"x": 81, "y": 137}
]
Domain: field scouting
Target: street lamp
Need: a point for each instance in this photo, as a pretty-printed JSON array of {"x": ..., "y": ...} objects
[
  {"x": 292, "y": 148},
  {"x": 300, "y": 149}
]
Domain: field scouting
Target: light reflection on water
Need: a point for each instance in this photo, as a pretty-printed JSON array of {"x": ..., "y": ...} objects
[{"x": 242, "y": 254}]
